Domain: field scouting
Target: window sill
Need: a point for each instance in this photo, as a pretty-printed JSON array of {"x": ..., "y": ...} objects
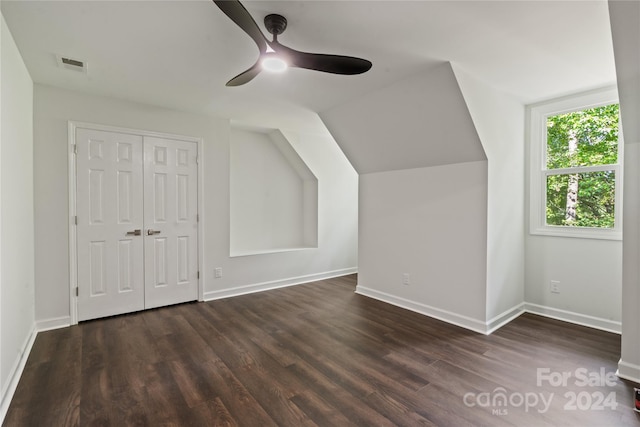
[
  {"x": 237, "y": 253},
  {"x": 577, "y": 232}
]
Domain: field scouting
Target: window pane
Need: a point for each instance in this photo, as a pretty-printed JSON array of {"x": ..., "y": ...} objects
[
  {"x": 583, "y": 138},
  {"x": 581, "y": 200}
]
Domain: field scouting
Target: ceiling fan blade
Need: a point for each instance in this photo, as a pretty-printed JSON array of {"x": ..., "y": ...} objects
[
  {"x": 245, "y": 76},
  {"x": 238, "y": 14},
  {"x": 335, "y": 64}
]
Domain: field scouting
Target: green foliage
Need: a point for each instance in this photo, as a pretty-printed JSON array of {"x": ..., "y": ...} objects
[
  {"x": 596, "y": 200},
  {"x": 594, "y": 133}
]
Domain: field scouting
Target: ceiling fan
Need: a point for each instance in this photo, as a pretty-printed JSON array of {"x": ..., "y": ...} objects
[{"x": 277, "y": 57}]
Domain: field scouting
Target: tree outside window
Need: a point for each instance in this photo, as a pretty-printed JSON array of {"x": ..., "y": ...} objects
[
  {"x": 574, "y": 141},
  {"x": 576, "y": 161}
]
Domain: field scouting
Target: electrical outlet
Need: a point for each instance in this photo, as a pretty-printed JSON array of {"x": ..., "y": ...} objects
[
  {"x": 405, "y": 279},
  {"x": 217, "y": 272},
  {"x": 554, "y": 286}
]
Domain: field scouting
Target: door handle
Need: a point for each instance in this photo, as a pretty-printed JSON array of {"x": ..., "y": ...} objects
[
  {"x": 134, "y": 233},
  {"x": 151, "y": 232}
]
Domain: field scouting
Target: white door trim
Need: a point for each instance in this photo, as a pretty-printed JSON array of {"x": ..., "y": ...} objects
[{"x": 72, "y": 170}]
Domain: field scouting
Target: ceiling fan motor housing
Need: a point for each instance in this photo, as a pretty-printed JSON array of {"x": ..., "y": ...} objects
[{"x": 275, "y": 24}]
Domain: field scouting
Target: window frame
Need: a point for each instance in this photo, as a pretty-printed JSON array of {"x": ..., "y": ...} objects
[{"x": 537, "y": 136}]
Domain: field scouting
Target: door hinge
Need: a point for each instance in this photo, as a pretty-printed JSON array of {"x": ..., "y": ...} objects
[
  {"x": 198, "y": 274},
  {"x": 75, "y": 149},
  {"x": 75, "y": 220},
  {"x": 197, "y": 217},
  {"x": 77, "y": 292}
]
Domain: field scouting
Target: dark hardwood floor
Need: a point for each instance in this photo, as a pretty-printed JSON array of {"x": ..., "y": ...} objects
[{"x": 318, "y": 354}]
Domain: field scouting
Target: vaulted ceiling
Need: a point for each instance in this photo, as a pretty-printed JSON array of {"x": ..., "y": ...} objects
[{"x": 179, "y": 54}]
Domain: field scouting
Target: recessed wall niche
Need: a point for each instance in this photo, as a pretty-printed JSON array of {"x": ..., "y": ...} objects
[{"x": 274, "y": 195}]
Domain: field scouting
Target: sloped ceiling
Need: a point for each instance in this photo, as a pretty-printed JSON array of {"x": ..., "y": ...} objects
[
  {"x": 418, "y": 122},
  {"x": 179, "y": 53}
]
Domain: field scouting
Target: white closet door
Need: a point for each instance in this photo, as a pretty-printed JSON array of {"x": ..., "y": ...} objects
[
  {"x": 109, "y": 210},
  {"x": 170, "y": 218}
]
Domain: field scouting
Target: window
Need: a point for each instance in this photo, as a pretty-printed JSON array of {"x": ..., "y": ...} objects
[{"x": 576, "y": 173}]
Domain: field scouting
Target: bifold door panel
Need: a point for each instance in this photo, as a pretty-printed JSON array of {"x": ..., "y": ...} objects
[{"x": 136, "y": 205}]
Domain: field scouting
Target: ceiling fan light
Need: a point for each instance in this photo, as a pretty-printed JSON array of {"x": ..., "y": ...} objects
[{"x": 273, "y": 63}]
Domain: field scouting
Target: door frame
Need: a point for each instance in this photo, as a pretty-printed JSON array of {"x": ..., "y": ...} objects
[{"x": 72, "y": 126}]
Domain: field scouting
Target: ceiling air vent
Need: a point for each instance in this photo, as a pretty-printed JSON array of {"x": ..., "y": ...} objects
[{"x": 71, "y": 64}]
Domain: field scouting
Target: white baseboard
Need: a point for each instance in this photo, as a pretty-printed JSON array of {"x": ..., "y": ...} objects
[
  {"x": 55, "y": 323},
  {"x": 503, "y": 318},
  {"x": 16, "y": 373},
  {"x": 628, "y": 371},
  {"x": 275, "y": 284},
  {"x": 576, "y": 318},
  {"x": 498, "y": 321},
  {"x": 437, "y": 313}
]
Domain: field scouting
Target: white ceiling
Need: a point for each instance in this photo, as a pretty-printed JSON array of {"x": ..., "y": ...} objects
[{"x": 179, "y": 54}]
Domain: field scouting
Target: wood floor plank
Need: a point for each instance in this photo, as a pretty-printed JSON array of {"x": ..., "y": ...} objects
[
  {"x": 54, "y": 378},
  {"x": 242, "y": 406},
  {"x": 354, "y": 408},
  {"x": 400, "y": 413},
  {"x": 315, "y": 354},
  {"x": 214, "y": 413},
  {"x": 319, "y": 411}
]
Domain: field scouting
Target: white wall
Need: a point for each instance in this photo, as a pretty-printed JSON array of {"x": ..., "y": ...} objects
[
  {"x": 268, "y": 200},
  {"x": 336, "y": 253},
  {"x": 589, "y": 272},
  {"x": 423, "y": 195},
  {"x": 431, "y": 224},
  {"x": 625, "y": 28},
  {"x": 629, "y": 364},
  {"x": 499, "y": 121},
  {"x": 337, "y": 194},
  {"x": 16, "y": 213},
  {"x": 520, "y": 265},
  {"x": 590, "y": 275}
]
